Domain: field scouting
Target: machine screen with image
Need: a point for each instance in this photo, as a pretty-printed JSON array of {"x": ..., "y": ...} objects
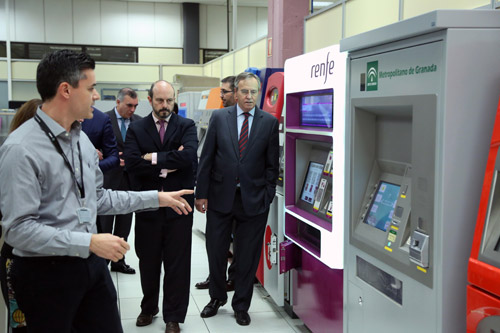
[
  {"x": 311, "y": 182},
  {"x": 316, "y": 110},
  {"x": 382, "y": 206}
]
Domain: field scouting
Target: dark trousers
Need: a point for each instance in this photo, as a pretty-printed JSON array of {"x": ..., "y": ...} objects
[
  {"x": 158, "y": 240},
  {"x": 66, "y": 294},
  {"x": 248, "y": 236},
  {"x": 121, "y": 223}
]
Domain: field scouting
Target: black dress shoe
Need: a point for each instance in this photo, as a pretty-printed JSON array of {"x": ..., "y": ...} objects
[
  {"x": 211, "y": 308},
  {"x": 230, "y": 285},
  {"x": 145, "y": 319},
  {"x": 172, "y": 327},
  {"x": 204, "y": 284},
  {"x": 242, "y": 318},
  {"x": 122, "y": 267}
]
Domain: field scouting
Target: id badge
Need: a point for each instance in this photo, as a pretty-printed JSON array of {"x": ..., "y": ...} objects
[{"x": 84, "y": 215}]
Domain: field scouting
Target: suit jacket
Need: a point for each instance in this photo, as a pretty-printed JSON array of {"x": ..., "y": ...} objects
[
  {"x": 221, "y": 168},
  {"x": 100, "y": 133},
  {"x": 113, "y": 178},
  {"x": 143, "y": 137}
]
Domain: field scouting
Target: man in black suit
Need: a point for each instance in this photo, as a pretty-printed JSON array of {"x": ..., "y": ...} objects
[
  {"x": 160, "y": 153},
  {"x": 237, "y": 181},
  {"x": 118, "y": 179},
  {"x": 227, "y": 95}
]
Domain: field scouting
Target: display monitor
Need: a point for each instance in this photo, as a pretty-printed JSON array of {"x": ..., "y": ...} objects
[
  {"x": 382, "y": 206},
  {"x": 316, "y": 110},
  {"x": 311, "y": 182}
]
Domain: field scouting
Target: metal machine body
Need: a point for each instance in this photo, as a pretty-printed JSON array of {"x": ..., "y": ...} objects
[{"x": 421, "y": 106}]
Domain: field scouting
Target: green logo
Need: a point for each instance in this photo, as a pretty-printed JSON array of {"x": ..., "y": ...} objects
[{"x": 372, "y": 76}]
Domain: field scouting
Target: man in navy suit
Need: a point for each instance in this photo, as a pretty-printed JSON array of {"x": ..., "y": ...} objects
[
  {"x": 118, "y": 179},
  {"x": 160, "y": 153},
  {"x": 237, "y": 181},
  {"x": 100, "y": 133}
]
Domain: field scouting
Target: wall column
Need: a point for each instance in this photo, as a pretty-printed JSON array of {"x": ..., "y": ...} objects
[
  {"x": 286, "y": 29},
  {"x": 191, "y": 25}
]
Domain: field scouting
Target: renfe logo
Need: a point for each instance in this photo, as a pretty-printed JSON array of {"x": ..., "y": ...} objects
[
  {"x": 323, "y": 69},
  {"x": 372, "y": 76}
]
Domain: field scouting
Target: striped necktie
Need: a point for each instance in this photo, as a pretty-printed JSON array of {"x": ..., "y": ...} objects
[{"x": 244, "y": 134}]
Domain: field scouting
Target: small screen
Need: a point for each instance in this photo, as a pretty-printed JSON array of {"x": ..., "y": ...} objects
[
  {"x": 311, "y": 182},
  {"x": 317, "y": 110},
  {"x": 382, "y": 207}
]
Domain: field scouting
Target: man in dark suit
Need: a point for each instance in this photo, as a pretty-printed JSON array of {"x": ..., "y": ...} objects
[
  {"x": 118, "y": 179},
  {"x": 160, "y": 153},
  {"x": 237, "y": 181},
  {"x": 227, "y": 95},
  {"x": 100, "y": 133}
]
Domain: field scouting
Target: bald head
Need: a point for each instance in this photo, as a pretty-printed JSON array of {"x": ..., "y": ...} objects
[{"x": 161, "y": 96}]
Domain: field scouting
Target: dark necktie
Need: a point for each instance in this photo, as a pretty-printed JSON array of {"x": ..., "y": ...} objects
[
  {"x": 123, "y": 129},
  {"x": 244, "y": 134},
  {"x": 162, "y": 129}
]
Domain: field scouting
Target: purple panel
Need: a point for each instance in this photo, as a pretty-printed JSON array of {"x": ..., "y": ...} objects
[
  {"x": 290, "y": 256},
  {"x": 318, "y": 295},
  {"x": 290, "y": 170},
  {"x": 292, "y": 110}
]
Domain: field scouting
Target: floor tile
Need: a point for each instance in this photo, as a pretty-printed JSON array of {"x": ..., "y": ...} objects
[{"x": 266, "y": 316}]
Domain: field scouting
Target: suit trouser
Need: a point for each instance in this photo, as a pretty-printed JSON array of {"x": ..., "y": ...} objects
[
  {"x": 66, "y": 294},
  {"x": 158, "y": 240},
  {"x": 122, "y": 223},
  {"x": 248, "y": 235}
]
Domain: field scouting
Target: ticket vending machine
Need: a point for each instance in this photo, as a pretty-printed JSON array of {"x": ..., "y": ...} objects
[
  {"x": 264, "y": 74},
  {"x": 188, "y": 103},
  {"x": 483, "y": 291},
  {"x": 268, "y": 270},
  {"x": 314, "y": 178},
  {"x": 422, "y": 98},
  {"x": 209, "y": 101}
]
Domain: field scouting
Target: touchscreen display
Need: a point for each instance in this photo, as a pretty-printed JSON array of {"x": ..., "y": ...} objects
[
  {"x": 382, "y": 206},
  {"x": 311, "y": 182},
  {"x": 317, "y": 110}
]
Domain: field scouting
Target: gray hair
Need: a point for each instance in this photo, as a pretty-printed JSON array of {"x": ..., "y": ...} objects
[
  {"x": 126, "y": 92},
  {"x": 244, "y": 76}
]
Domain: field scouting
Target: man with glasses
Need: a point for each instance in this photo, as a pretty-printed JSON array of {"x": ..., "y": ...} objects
[
  {"x": 237, "y": 182},
  {"x": 227, "y": 91},
  {"x": 160, "y": 153},
  {"x": 227, "y": 97}
]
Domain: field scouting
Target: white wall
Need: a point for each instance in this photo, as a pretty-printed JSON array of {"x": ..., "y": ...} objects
[
  {"x": 124, "y": 23},
  {"x": 252, "y": 24}
]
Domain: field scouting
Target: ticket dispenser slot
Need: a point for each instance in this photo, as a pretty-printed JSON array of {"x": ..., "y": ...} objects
[{"x": 419, "y": 249}]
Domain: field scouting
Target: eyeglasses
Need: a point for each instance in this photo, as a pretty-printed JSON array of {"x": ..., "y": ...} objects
[
  {"x": 246, "y": 92},
  {"x": 224, "y": 91}
]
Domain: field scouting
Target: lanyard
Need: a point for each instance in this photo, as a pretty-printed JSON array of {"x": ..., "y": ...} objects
[{"x": 56, "y": 144}]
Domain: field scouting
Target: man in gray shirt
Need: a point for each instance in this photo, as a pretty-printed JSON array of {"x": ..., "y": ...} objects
[{"x": 50, "y": 194}]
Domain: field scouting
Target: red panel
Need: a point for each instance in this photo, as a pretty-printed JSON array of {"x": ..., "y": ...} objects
[
  {"x": 483, "y": 295},
  {"x": 274, "y": 97},
  {"x": 260, "y": 269},
  {"x": 479, "y": 306}
]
